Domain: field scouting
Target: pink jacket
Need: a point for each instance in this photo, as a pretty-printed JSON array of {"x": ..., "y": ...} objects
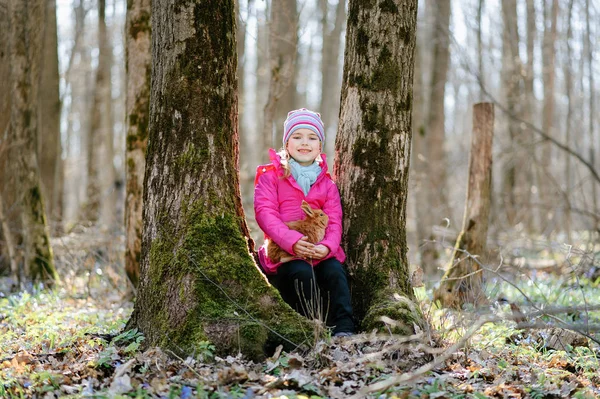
[{"x": 278, "y": 199}]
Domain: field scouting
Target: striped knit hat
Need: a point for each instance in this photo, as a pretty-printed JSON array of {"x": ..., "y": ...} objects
[{"x": 303, "y": 119}]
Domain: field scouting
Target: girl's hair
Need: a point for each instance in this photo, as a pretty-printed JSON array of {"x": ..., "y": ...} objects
[{"x": 284, "y": 157}]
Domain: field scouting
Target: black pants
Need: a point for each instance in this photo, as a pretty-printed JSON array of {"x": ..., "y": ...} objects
[{"x": 329, "y": 299}]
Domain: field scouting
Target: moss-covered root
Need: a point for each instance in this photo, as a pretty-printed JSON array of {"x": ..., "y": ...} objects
[{"x": 404, "y": 312}]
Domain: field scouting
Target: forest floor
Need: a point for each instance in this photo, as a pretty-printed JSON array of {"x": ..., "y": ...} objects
[{"x": 69, "y": 342}]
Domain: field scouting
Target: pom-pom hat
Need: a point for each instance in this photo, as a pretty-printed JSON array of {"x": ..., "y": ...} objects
[{"x": 303, "y": 119}]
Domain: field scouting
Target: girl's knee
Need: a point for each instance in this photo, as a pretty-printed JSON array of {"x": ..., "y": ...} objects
[{"x": 332, "y": 269}]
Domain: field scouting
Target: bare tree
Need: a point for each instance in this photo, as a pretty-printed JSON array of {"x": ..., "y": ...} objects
[
  {"x": 549, "y": 76},
  {"x": 27, "y": 22},
  {"x": 138, "y": 61},
  {"x": 462, "y": 281},
  {"x": 283, "y": 48},
  {"x": 330, "y": 71},
  {"x": 49, "y": 144}
]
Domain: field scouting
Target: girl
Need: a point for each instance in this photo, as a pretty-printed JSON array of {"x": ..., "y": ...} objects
[{"x": 299, "y": 172}]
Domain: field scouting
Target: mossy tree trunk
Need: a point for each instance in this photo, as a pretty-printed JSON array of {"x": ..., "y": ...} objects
[
  {"x": 198, "y": 280},
  {"x": 138, "y": 70},
  {"x": 49, "y": 146},
  {"x": 373, "y": 152},
  {"x": 27, "y": 19},
  {"x": 462, "y": 281}
]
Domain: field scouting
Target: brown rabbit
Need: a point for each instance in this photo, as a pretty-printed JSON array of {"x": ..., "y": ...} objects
[{"x": 313, "y": 227}]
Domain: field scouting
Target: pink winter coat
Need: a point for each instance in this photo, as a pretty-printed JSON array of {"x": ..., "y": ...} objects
[{"x": 277, "y": 200}]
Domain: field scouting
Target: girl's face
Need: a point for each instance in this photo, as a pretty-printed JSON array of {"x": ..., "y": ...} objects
[{"x": 304, "y": 146}]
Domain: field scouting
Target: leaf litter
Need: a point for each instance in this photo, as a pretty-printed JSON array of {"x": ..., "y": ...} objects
[{"x": 70, "y": 343}]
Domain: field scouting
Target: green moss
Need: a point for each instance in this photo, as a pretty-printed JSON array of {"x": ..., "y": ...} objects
[
  {"x": 388, "y": 6},
  {"x": 398, "y": 308},
  {"x": 362, "y": 43},
  {"x": 212, "y": 250}
]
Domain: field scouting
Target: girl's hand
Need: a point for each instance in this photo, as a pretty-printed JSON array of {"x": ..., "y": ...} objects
[
  {"x": 320, "y": 251},
  {"x": 303, "y": 248}
]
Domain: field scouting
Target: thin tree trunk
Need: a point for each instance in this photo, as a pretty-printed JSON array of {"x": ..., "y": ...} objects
[
  {"x": 283, "y": 47},
  {"x": 4, "y": 114},
  {"x": 263, "y": 76},
  {"x": 107, "y": 173},
  {"x": 198, "y": 281},
  {"x": 568, "y": 76},
  {"x": 373, "y": 147},
  {"x": 49, "y": 146},
  {"x": 480, "y": 72},
  {"x": 513, "y": 179},
  {"x": 549, "y": 73},
  {"x": 462, "y": 281},
  {"x": 590, "y": 63},
  {"x": 138, "y": 62},
  {"x": 434, "y": 134},
  {"x": 27, "y": 17},
  {"x": 330, "y": 56}
]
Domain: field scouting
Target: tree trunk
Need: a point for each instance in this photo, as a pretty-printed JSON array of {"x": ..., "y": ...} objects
[
  {"x": 50, "y": 149},
  {"x": 514, "y": 183},
  {"x": 96, "y": 140},
  {"x": 330, "y": 57},
  {"x": 107, "y": 172},
  {"x": 138, "y": 62},
  {"x": 373, "y": 149},
  {"x": 4, "y": 112},
  {"x": 589, "y": 56},
  {"x": 283, "y": 47},
  {"x": 549, "y": 59},
  {"x": 263, "y": 76},
  {"x": 568, "y": 76},
  {"x": 480, "y": 73},
  {"x": 27, "y": 18},
  {"x": 434, "y": 134},
  {"x": 462, "y": 281},
  {"x": 198, "y": 281},
  {"x": 9, "y": 243}
]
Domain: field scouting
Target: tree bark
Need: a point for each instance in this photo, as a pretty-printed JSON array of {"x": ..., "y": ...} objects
[
  {"x": 462, "y": 281},
  {"x": 283, "y": 47},
  {"x": 27, "y": 18},
  {"x": 198, "y": 281},
  {"x": 589, "y": 57},
  {"x": 436, "y": 116},
  {"x": 139, "y": 67},
  {"x": 568, "y": 76},
  {"x": 434, "y": 135},
  {"x": 4, "y": 111},
  {"x": 549, "y": 60},
  {"x": 49, "y": 146},
  {"x": 373, "y": 149},
  {"x": 107, "y": 172},
  {"x": 514, "y": 183},
  {"x": 330, "y": 60}
]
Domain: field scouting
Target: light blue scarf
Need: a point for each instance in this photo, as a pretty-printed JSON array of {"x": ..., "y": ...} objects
[{"x": 305, "y": 176}]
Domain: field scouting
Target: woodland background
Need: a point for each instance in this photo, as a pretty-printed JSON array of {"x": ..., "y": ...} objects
[{"x": 536, "y": 61}]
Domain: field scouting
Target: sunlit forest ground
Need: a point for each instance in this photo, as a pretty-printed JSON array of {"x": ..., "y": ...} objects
[{"x": 70, "y": 341}]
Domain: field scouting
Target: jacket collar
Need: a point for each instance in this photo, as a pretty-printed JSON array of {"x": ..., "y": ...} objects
[{"x": 276, "y": 161}]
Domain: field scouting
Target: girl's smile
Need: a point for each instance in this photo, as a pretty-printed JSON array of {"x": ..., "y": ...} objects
[{"x": 304, "y": 146}]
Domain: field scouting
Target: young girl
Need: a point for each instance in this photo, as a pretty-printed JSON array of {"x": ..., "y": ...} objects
[{"x": 299, "y": 172}]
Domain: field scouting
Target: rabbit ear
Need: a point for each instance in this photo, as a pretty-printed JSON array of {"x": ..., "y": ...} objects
[{"x": 306, "y": 208}]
